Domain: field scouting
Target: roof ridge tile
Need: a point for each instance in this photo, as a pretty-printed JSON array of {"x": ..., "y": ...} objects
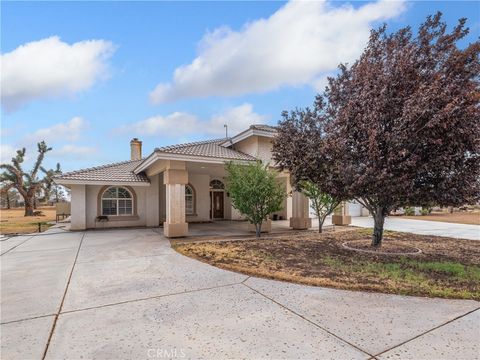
[{"x": 193, "y": 143}]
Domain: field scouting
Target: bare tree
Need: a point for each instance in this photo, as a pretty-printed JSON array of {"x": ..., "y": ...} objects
[
  {"x": 51, "y": 189},
  {"x": 26, "y": 183}
]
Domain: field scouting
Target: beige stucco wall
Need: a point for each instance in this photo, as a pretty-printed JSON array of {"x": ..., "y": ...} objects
[
  {"x": 235, "y": 214},
  {"x": 162, "y": 209},
  {"x": 201, "y": 185},
  {"x": 265, "y": 149},
  {"x": 248, "y": 145},
  {"x": 85, "y": 207},
  {"x": 92, "y": 209},
  {"x": 152, "y": 210},
  {"x": 78, "y": 217},
  {"x": 258, "y": 146}
]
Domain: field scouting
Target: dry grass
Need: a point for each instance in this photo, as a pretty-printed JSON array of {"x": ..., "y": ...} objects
[
  {"x": 447, "y": 268},
  {"x": 12, "y": 221},
  {"x": 472, "y": 218}
]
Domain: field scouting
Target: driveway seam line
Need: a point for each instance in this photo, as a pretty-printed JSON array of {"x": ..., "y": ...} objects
[
  {"x": 248, "y": 277},
  {"x": 63, "y": 299},
  {"x": 149, "y": 298},
  {"x": 429, "y": 331},
  {"x": 120, "y": 259},
  {"x": 310, "y": 321},
  {"x": 28, "y": 251},
  {"x": 23, "y": 242},
  {"x": 26, "y": 319}
]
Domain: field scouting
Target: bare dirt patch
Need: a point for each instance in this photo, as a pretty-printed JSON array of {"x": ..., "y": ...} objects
[
  {"x": 388, "y": 248},
  {"x": 13, "y": 221},
  {"x": 471, "y": 218},
  {"x": 448, "y": 268}
]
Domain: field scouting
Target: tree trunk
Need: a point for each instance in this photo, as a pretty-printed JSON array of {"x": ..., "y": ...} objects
[
  {"x": 379, "y": 220},
  {"x": 258, "y": 230},
  {"x": 29, "y": 206},
  {"x": 320, "y": 222},
  {"x": 8, "y": 199}
]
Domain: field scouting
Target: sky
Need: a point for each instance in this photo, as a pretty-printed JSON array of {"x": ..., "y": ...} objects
[{"x": 87, "y": 77}]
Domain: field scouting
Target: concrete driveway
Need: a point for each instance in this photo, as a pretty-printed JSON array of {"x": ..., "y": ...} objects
[
  {"x": 125, "y": 294},
  {"x": 422, "y": 227}
]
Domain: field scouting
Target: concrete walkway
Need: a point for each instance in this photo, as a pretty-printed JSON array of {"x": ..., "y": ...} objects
[
  {"x": 422, "y": 227},
  {"x": 125, "y": 294}
]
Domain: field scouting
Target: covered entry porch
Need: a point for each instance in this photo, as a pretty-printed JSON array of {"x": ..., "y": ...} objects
[
  {"x": 193, "y": 192},
  {"x": 231, "y": 228}
]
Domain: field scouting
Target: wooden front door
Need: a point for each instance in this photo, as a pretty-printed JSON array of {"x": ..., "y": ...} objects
[{"x": 217, "y": 204}]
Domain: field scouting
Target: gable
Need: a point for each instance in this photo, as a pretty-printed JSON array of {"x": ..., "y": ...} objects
[{"x": 259, "y": 147}]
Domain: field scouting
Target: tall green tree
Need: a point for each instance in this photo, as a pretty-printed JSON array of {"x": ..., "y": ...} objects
[
  {"x": 254, "y": 191},
  {"x": 26, "y": 183},
  {"x": 321, "y": 202},
  {"x": 400, "y": 126}
]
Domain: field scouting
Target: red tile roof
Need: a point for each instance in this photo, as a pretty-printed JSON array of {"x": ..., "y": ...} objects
[
  {"x": 119, "y": 172},
  {"x": 208, "y": 148}
]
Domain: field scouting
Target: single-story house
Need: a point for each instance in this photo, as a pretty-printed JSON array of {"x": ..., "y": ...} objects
[{"x": 173, "y": 186}]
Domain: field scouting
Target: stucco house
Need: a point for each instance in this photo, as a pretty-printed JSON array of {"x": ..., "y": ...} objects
[{"x": 173, "y": 186}]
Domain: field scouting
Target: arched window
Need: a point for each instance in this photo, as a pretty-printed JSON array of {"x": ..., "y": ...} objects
[
  {"x": 189, "y": 200},
  {"x": 216, "y": 185},
  {"x": 117, "y": 201}
]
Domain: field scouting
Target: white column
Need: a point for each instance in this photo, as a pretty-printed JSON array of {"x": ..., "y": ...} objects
[
  {"x": 300, "y": 219},
  {"x": 175, "y": 224},
  {"x": 78, "y": 207}
]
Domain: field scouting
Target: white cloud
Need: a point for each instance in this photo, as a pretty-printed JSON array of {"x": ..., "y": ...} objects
[
  {"x": 74, "y": 151},
  {"x": 177, "y": 123},
  {"x": 68, "y": 131},
  {"x": 299, "y": 44},
  {"x": 7, "y": 152},
  {"x": 51, "y": 68},
  {"x": 238, "y": 119},
  {"x": 180, "y": 124}
]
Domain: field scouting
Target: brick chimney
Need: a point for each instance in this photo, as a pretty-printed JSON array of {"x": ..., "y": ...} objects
[{"x": 135, "y": 149}]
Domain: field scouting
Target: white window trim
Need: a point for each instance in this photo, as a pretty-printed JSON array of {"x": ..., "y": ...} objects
[
  {"x": 117, "y": 199},
  {"x": 216, "y": 189},
  {"x": 193, "y": 200}
]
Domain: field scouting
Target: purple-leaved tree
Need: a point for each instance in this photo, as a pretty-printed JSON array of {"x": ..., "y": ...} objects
[{"x": 401, "y": 126}]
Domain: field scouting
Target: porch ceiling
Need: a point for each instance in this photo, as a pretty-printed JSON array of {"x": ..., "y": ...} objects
[{"x": 215, "y": 170}]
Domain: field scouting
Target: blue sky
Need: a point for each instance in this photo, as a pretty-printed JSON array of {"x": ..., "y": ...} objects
[{"x": 89, "y": 76}]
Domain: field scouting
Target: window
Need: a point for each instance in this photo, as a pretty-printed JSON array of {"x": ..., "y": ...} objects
[
  {"x": 217, "y": 185},
  {"x": 117, "y": 201},
  {"x": 189, "y": 200}
]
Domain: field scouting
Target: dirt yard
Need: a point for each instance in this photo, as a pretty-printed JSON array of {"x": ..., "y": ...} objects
[
  {"x": 472, "y": 218},
  {"x": 12, "y": 221},
  {"x": 447, "y": 268}
]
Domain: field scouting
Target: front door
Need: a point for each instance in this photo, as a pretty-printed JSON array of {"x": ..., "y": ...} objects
[{"x": 217, "y": 203}]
